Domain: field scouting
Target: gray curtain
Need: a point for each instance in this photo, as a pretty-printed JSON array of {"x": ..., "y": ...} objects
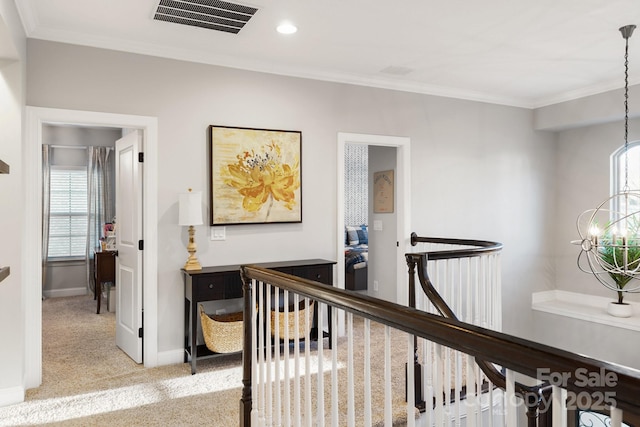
[
  {"x": 101, "y": 202},
  {"x": 46, "y": 186}
]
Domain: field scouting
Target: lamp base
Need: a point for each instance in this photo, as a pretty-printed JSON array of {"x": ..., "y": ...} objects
[{"x": 192, "y": 263}]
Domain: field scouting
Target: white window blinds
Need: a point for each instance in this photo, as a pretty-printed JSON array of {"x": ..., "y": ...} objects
[{"x": 68, "y": 213}]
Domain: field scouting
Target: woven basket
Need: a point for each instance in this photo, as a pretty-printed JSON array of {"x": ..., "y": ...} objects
[
  {"x": 290, "y": 321},
  {"x": 222, "y": 332}
]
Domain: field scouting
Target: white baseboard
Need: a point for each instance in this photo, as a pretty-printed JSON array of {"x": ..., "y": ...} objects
[
  {"x": 12, "y": 395},
  {"x": 67, "y": 292},
  {"x": 171, "y": 357}
]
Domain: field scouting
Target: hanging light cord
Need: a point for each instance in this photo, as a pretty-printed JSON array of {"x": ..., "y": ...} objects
[{"x": 626, "y": 114}]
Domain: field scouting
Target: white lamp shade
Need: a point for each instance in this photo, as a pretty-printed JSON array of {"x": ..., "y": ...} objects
[{"x": 190, "y": 208}]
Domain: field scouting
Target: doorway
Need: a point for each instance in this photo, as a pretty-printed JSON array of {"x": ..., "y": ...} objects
[
  {"x": 36, "y": 117},
  {"x": 403, "y": 203}
]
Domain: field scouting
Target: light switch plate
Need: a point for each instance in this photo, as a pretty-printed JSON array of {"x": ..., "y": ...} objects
[
  {"x": 218, "y": 233},
  {"x": 377, "y": 225}
]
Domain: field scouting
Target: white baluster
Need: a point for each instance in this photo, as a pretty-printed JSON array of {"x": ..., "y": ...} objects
[
  {"x": 261, "y": 384},
  {"x": 277, "y": 419},
  {"x": 296, "y": 359},
  {"x": 458, "y": 387},
  {"x": 447, "y": 382},
  {"x": 498, "y": 299},
  {"x": 511, "y": 404},
  {"x": 351, "y": 416},
  {"x": 559, "y": 407},
  {"x": 476, "y": 292},
  {"x": 268, "y": 366},
  {"x": 411, "y": 384},
  {"x": 367, "y": 372},
  {"x": 335, "y": 418},
  {"x": 287, "y": 374},
  {"x": 427, "y": 347},
  {"x": 307, "y": 363},
  {"x": 320, "y": 376},
  {"x": 472, "y": 395},
  {"x": 438, "y": 384},
  {"x": 469, "y": 310},
  {"x": 387, "y": 377},
  {"x": 616, "y": 417}
]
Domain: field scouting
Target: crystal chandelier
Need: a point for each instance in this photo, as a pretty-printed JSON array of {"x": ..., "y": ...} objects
[{"x": 610, "y": 233}]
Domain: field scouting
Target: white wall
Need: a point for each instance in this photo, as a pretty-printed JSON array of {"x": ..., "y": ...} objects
[
  {"x": 588, "y": 131},
  {"x": 583, "y": 183},
  {"x": 382, "y": 243},
  {"x": 12, "y": 96},
  {"x": 479, "y": 170}
]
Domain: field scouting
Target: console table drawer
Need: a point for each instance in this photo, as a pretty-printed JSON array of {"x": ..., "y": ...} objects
[
  {"x": 224, "y": 286},
  {"x": 322, "y": 274}
]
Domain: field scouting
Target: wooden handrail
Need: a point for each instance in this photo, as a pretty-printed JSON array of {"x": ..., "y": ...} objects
[
  {"x": 517, "y": 354},
  {"x": 476, "y": 247}
]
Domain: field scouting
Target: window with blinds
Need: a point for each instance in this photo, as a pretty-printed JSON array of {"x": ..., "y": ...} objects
[{"x": 68, "y": 213}]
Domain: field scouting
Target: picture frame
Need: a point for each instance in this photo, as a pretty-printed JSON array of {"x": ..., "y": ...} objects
[
  {"x": 383, "y": 192},
  {"x": 255, "y": 176}
]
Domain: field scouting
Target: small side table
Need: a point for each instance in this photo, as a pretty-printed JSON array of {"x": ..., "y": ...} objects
[{"x": 104, "y": 271}]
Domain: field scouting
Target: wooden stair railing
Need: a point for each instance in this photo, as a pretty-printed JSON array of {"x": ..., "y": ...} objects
[
  {"x": 512, "y": 353},
  {"x": 533, "y": 396}
]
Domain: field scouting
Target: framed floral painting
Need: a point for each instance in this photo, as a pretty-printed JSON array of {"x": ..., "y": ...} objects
[{"x": 255, "y": 175}]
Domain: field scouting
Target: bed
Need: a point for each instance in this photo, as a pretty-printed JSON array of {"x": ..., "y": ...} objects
[{"x": 356, "y": 257}]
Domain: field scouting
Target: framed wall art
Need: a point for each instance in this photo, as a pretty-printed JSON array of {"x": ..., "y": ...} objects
[
  {"x": 383, "y": 192},
  {"x": 255, "y": 176}
]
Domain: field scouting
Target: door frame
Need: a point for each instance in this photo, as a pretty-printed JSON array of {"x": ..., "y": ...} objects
[
  {"x": 403, "y": 194},
  {"x": 36, "y": 117}
]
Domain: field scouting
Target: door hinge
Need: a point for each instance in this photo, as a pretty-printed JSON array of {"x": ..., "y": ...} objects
[
  {"x": 141, "y": 245},
  {"x": 139, "y": 332},
  {"x": 140, "y": 157}
]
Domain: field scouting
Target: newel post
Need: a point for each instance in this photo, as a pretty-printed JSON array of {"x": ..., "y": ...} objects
[
  {"x": 417, "y": 367},
  {"x": 245, "y": 400}
]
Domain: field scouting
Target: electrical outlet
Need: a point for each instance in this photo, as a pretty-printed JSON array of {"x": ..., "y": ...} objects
[
  {"x": 375, "y": 285},
  {"x": 218, "y": 233}
]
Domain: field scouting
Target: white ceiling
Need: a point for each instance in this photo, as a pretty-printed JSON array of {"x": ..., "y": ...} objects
[{"x": 527, "y": 53}]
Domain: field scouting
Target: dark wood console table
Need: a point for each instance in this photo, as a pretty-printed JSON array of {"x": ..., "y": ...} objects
[
  {"x": 224, "y": 282},
  {"x": 104, "y": 271}
]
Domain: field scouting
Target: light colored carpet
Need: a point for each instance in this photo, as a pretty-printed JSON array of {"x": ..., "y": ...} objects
[{"x": 87, "y": 381}]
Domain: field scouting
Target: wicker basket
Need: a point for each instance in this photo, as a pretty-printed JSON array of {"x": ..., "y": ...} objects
[
  {"x": 222, "y": 332},
  {"x": 290, "y": 321}
]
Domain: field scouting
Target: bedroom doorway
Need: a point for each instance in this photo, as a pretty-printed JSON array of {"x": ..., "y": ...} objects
[
  {"x": 400, "y": 228},
  {"x": 36, "y": 118}
]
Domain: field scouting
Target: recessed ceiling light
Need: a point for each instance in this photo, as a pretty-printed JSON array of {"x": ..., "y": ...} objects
[{"x": 287, "y": 28}]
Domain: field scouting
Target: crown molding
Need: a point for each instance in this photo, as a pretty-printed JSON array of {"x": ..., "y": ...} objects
[{"x": 28, "y": 17}]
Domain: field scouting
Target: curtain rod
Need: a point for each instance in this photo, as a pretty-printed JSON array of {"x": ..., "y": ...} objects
[
  {"x": 77, "y": 147},
  {"x": 72, "y": 147}
]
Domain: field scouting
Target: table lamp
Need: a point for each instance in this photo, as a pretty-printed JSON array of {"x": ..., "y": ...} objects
[{"x": 190, "y": 213}]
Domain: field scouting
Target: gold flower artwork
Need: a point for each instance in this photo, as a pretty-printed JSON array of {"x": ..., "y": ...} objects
[{"x": 255, "y": 176}]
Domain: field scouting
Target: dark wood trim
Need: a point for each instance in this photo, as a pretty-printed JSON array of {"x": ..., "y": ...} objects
[
  {"x": 245, "y": 400},
  {"x": 519, "y": 355},
  {"x": 476, "y": 247}
]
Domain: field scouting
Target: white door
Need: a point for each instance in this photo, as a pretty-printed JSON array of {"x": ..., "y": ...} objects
[{"x": 128, "y": 236}]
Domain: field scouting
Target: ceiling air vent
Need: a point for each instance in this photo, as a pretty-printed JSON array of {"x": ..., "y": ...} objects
[{"x": 211, "y": 14}]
